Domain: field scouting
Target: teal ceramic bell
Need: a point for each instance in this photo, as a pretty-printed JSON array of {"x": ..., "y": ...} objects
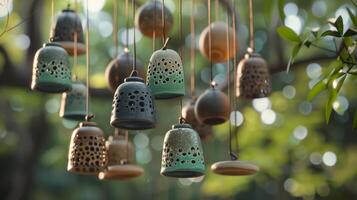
[
  {"x": 73, "y": 104},
  {"x": 165, "y": 75},
  {"x": 182, "y": 155},
  {"x": 51, "y": 70}
]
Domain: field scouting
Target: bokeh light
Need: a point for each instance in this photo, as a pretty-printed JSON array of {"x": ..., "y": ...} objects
[{"x": 329, "y": 158}]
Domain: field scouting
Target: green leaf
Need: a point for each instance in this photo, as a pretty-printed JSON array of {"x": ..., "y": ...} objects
[
  {"x": 288, "y": 34},
  {"x": 340, "y": 82},
  {"x": 307, "y": 44},
  {"x": 352, "y": 16},
  {"x": 350, "y": 32},
  {"x": 353, "y": 73},
  {"x": 315, "y": 32},
  {"x": 331, "y": 33},
  {"x": 294, "y": 53},
  {"x": 339, "y": 25},
  {"x": 328, "y": 107},
  {"x": 318, "y": 87},
  {"x": 355, "y": 120},
  {"x": 281, "y": 4}
]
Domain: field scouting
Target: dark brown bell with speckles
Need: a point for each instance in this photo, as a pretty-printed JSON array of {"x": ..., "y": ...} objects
[{"x": 253, "y": 78}]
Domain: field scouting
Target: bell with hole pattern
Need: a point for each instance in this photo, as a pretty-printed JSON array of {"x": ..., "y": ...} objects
[
  {"x": 165, "y": 75},
  {"x": 212, "y": 107},
  {"x": 51, "y": 70},
  {"x": 182, "y": 155},
  {"x": 253, "y": 79},
  {"x": 73, "y": 103},
  {"x": 67, "y": 25},
  {"x": 121, "y": 160},
  {"x": 149, "y": 19},
  {"x": 87, "y": 153},
  {"x": 133, "y": 105},
  {"x": 120, "y": 68},
  {"x": 219, "y": 47}
]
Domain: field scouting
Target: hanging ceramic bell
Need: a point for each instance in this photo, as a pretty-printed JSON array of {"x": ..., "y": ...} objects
[
  {"x": 219, "y": 49},
  {"x": 234, "y": 168},
  {"x": 182, "y": 155},
  {"x": 68, "y": 23},
  {"x": 253, "y": 79},
  {"x": 149, "y": 19},
  {"x": 212, "y": 107},
  {"x": 121, "y": 159},
  {"x": 87, "y": 153},
  {"x": 120, "y": 68},
  {"x": 73, "y": 103},
  {"x": 188, "y": 113},
  {"x": 133, "y": 105},
  {"x": 165, "y": 75},
  {"x": 51, "y": 71}
]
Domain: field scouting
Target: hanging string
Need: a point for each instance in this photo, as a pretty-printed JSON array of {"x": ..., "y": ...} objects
[
  {"x": 193, "y": 46},
  {"x": 163, "y": 22},
  {"x": 126, "y": 147},
  {"x": 127, "y": 24},
  {"x": 75, "y": 56},
  {"x": 116, "y": 28},
  {"x": 216, "y": 11},
  {"x": 52, "y": 18},
  {"x": 87, "y": 61},
  {"x": 134, "y": 37},
  {"x": 235, "y": 63},
  {"x": 154, "y": 28},
  {"x": 180, "y": 50},
  {"x": 210, "y": 41},
  {"x": 251, "y": 27}
]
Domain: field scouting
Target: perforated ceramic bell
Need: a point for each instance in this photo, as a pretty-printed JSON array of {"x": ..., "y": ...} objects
[
  {"x": 234, "y": 168},
  {"x": 253, "y": 79},
  {"x": 212, "y": 107},
  {"x": 121, "y": 160},
  {"x": 165, "y": 75},
  {"x": 51, "y": 70},
  {"x": 87, "y": 153},
  {"x": 73, "y": 103},
  {"x": 182, "y": 155},
  {"x": 188, "y": 113},
  {"x": 133, "y": 105},
  {"x": 219, "y": 47},
  {"x": 149, "y": 19},
  {"x": 120, "y": 68},
  {"x": 68, "y": 23}
]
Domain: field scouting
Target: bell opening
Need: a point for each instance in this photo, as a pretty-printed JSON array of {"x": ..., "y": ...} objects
[
  {"x": 121, "y": 172},
  {"x": 133, "y": 124},
  {"x": 189, "y": 173},
  {"x": 214, "y": 120},
  {"x": 75, "y": 117},
  {"x": 50, "y": 87},
  {"x": 167, "y": 95}
]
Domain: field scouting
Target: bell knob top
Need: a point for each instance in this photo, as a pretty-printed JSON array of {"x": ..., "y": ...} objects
[
  {"x": 134, "y": 77},
  {"x": 51, "y": 44},
  {"x": 68, "y": 10},
  {"x": 176, "y": 126},
  {"x": 87, "y": 123}
]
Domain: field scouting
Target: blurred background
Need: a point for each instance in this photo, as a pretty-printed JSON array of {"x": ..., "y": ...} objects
[{"x": 300, "y": 156}]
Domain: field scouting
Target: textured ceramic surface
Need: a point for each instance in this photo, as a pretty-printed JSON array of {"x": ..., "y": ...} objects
[
  {"x": 73, "y": 103},
  {"x": 165, "y": 75},
  {"x": 219, "y": 46},
  {"x": 119, "y": 151},
  {"x": 121, "y": 172},
  {"x": 120, "y": 68},
  {"x": 67, "y": 24},
  {"x": 87, "y": 152},
  {"x": 234, "y": 168},
  {"x": 147, "y": 23},
  {"x": 182, "y": 154},
  {"x": 133, "y": 106},
  {"x": 51, "y": 70},
  {"x": 212, "y": 107},
  {"x": 253, "y": 78}
]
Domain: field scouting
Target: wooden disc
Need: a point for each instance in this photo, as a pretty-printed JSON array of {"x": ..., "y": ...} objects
[
  {"x": 121, "y": 172},
  {"x": 234, "y": 168}
]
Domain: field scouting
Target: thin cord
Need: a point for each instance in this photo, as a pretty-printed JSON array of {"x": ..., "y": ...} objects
[
  {"x": 235, "y": 78},
  {"x": 154, "y": 28},
  {"x": 229, "y": 88},
  {"x": 75, "y": 56},
  {"x": 52, "y": 17},
  {"x": 193, "y": 46},
  {"x": 216, "y": 7},
  {"x": 251, "y": 26},
  {"x": 180, "y": 26},
  {"x": 127, "y": 145},
  {"x": 116, "y": 28},
  {"x": 133, "y": 5},
  {"x": 163, "y": 22},
  {"x": 210, "y": 40},
  {"x": 87, "y": 59},
  {"x": 127, "y": 24}
]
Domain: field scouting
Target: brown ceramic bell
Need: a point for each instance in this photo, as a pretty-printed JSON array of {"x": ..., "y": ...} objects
[
  {"x": 253, "y": 78},
  {"x": 120, "y": 68},
  {"x": 212, "y": 107},
  {"x": 234, "y": 168},
  {"x": 149, "y": 19},
  {"x": 188, "y": 113},
  {"x": 219, "y": 47},
  {"x": 87, "y": 153}
]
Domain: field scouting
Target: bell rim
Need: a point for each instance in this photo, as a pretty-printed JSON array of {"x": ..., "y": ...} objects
[
  {"x": 73, "y": 116},
  {"x": 168, "y": 95},
  {"x": 234, "y": 168},
  {"x": 117, "y": 172},
  {"x": 179, "y": 173},
  {"x": 213, "y": 120},
  {"x": 72, "y": 169},
  {"x": 131, "y": 124},
  {"x": 69, "y": 47},
  {"x": 50, "y": 87}
]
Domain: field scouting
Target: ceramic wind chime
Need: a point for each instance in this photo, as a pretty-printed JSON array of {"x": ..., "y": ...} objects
[
  {"x": 253, "y": 79},
  {"x": 73, "y": 103},
  {"x": 121, "y": 159}
]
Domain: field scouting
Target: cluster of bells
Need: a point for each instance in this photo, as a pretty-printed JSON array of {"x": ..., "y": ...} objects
[{"x": 133, "y": 102}]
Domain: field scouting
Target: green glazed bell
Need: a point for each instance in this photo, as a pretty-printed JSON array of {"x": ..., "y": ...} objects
[
  {"x": 73, "y": 104},
  {"x": 165, "y": 75},
  {"x": 133, "y": 105},
  {"x": 67, "y": 25},
  {"x": 182, "y": 155},
  {"x": 51, "y": 70}
]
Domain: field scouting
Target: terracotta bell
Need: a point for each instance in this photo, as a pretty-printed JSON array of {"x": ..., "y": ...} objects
[
  {"x": 219, "y": 47},
  {"x": 188, "y": 113},
  {"x": 120, "y": 68},
  {"x": 182, "y": 155},
  {"x": 68, "y": 23},
  {"x": 51, "y": 70},
  {"x": 212, "y": 107},
  {"x": 165, "y": 75},
  {"x": 253, "y": 79},
  {"x": 133, "y": 105},
  {"x": 121, "y": 160},
  {"x": 149, "y": 19},
  {"x": 234, "y": 168},
  {"x": 87, "y": 153},
  {"x": 73, "y": 103}
]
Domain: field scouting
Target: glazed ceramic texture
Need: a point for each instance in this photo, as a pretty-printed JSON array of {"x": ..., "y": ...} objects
[{"x": 73, "y": 103}]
